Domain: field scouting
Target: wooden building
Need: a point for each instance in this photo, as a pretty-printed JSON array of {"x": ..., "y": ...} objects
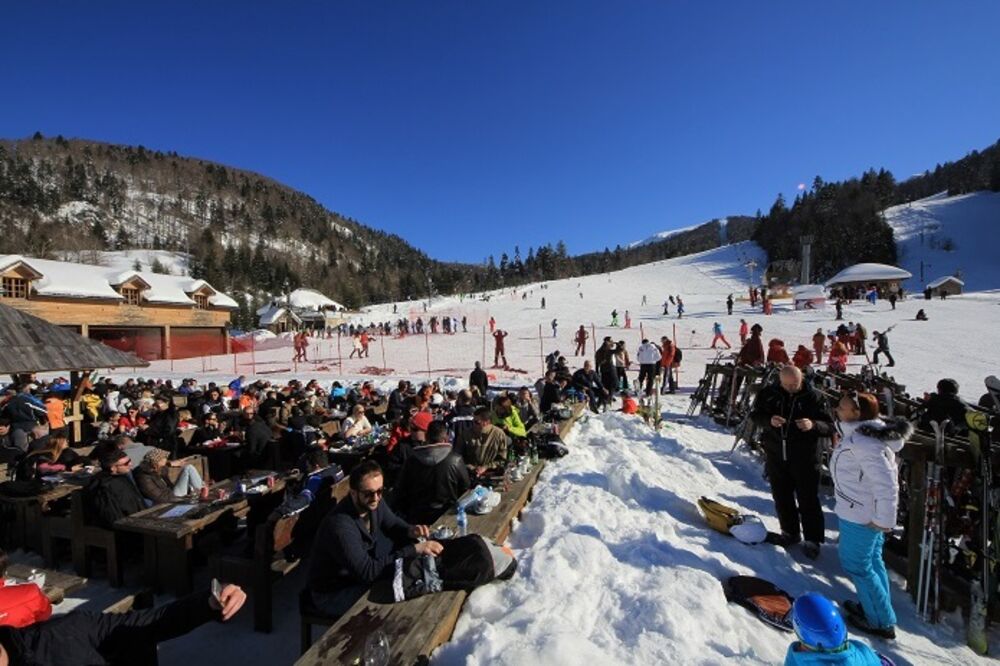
[
  {"x": 949, "y": 285},
  {"x": 885, "y": 278},
  {"x": 151, "y": 315}
]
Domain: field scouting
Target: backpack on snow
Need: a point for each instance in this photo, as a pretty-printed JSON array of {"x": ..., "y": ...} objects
[{"x": 767, "y": 601}]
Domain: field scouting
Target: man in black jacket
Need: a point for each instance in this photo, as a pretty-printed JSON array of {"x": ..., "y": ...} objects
[
  {"x": 793, "y": 416},
  {"x": 587, "y": 382},
  {"x": 82, "y": 638},
  {"x": 112, "y": 494},
  {"x": 432, "y": 479},
  {"x": 162, "y": 431},
  {"x": 359, "y": 542},
  {"x": 479, "y": 380}
]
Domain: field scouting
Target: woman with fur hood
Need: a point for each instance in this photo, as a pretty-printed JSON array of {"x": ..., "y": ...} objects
[{"x": 865, "y": 478}]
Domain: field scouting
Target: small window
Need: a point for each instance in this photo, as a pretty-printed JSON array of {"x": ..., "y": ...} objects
[
  {"x": 15, "y": 287},
  {"x": 201, "y": 301},
  {"x": 131, "y": 295}
]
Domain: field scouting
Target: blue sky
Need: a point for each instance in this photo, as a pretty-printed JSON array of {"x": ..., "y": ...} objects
[{"x": 470, "y": 126}]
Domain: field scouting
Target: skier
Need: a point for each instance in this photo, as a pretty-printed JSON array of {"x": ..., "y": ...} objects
[
  {"x": 744, "y": 332},
  {"x": 839, "y": 306},
  {"x": 464, "y": 322},
  {"x": 493, "y": 324},
  {"x": 680, "y": 308},
  {"x": 892, "y": 300},
  {"x": 644, "y": 299},
  {"x": 543, "y": 302},
  {"x": 614, "y": 317},
  {"x": 357, "y": 346},
  {"x": 666, "y": 308},
  {"x": 863, "y": 468},
  {"x": 554, "y": 325},
  {"x": 792, "y": 417},
  {"x": 717, "y": 336},
  {"x": 882, "y": 347},
  {"x": 581, "y": 341},
  {"x": 498, "y": 349},
  {"x": 729, "y": 304},
  {"x": 628, "y": 320},
  {"x": 819, "y": 339},
  {"x": 365, "y": 340},
  {"x": 822, "y": 636}
]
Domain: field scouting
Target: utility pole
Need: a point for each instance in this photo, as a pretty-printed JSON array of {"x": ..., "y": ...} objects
[{"x": 806, "y": 276}]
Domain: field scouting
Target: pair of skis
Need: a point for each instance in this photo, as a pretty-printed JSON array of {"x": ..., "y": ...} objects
[
  {"x": 932, "y": 542},
  {"x": 983, "y": 588}
]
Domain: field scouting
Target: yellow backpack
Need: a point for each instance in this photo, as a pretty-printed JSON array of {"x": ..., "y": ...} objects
[{"x": 719, "y": 516}]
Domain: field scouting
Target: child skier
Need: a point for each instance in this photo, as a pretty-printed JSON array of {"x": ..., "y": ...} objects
[
  {"x": 717, "y": 336},
  {"x": 823, "y": 636}
]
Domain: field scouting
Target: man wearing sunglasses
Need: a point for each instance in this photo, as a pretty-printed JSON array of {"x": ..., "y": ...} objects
[
  {"x": 359, "y": 542},
  {"x": 112, "y": 494}
]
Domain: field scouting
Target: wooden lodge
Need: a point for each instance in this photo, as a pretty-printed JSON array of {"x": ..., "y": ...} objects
[{"x": 151, "y": 315}]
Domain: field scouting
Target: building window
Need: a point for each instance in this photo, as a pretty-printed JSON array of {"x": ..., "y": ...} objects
[
  {"x": 201, "y": 301},
  {"x": 131, "y": 295},
  {"x": 15, "y": 287}
]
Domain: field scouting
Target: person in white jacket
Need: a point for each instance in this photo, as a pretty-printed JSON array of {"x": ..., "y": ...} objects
[
  {"x": 649, "y": 364},
  {"x": 865, "y": 479}
]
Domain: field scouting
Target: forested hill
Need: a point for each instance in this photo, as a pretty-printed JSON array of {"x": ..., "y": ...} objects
[{"x": 250, "y": 235}]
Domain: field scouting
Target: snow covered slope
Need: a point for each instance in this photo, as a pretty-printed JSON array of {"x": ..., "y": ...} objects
[{"x": 950, "y": 234}]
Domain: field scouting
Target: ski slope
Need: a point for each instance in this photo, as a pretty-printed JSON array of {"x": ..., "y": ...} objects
[
  {"x": 950, "y": 234},
  {"x": 617, "y": 566}
]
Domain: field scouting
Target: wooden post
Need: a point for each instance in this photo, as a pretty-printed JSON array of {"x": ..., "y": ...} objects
[
  {"x": 340, "y": 354},
  {"x": 381, "y": 340},
  {"x": 541, "y": 349},
  {"x": 593, "y": 338},
  {"x": 484, "y": 345},
  {"x": 253, "y": 355},
  {"x": 427, "y": 346}
]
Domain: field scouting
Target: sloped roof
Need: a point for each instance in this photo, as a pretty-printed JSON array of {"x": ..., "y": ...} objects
[
  {"x": 30, "y": 344},
  {"x": 867, "y": 272},
  {"x": 273, "y": 313},
  {"x": 806, "y": 291},
  {"x": 941, "y": 280},
  {"x": 310, "y": 299},
  {"x": 68, "y": 279}
]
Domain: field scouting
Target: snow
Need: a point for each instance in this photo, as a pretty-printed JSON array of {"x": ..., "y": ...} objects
[
  {"x": 310, "y": 299},
  {"x": 66, "y": 279},
  {"x": 942, "y": 280},
  {"x": 865, "y": 272},
  {"x": 663, "y": 235},
  {"x": 805, "y": 291},
  {"x": 270, "y": 314},
  {"x": 969, "y": 224}
]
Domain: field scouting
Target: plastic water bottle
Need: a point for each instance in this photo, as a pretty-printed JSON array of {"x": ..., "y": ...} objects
[{"x": 463, "y": 522}]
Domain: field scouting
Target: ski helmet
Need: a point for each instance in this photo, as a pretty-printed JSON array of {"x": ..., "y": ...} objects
[{"x": 818, "y": 623}]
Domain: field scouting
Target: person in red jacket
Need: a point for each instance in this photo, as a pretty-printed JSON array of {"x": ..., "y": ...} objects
[
  {"x": 803, "y": 358},
  {"x": 753, "y": 351},
  {"x": 819, "y": 340},
  {"x": 744, "y": 332},
  {"x": 776, "y": 352},
  {"x": 581, "y": 341},
  {"x": 21, "y": 605},
  {"x": 498, "y": 349}
]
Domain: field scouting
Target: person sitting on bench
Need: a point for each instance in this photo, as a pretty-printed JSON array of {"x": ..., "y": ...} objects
[
  {"x": 83, "y": 638},
  {"x": 432, "y": 478},
  {"x": 358, "y": 542},
  {"x": 112, "y": 494},
  {"x": 153, "y": 483},
  {"x": 488, "y": 446},
  {"x": 21, "y": 605}
]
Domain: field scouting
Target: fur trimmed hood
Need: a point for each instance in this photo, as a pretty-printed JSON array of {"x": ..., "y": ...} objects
[{"x": 891, "y": 432}]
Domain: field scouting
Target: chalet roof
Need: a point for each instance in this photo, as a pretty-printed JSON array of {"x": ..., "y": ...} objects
[
  {"x": 273, "y": 313},
  {"x": 72, "y": 280},
  {"x": 310, "y": 299},
  {"x": 30, "y": 344},
  {"x": 869, "y": 273},
  {"x": 809, "y": 291},
  {"x": 941, "y": 280}
]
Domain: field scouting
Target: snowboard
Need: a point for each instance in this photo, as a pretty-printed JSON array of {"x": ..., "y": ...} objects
[{"x": 768, "y": 602}]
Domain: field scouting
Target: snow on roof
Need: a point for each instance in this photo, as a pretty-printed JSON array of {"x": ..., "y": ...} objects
[
  {"x": 310, "y": 299},
  {"x": 272, "y": 313},
  {"x": 866, "y": 272},
  {"x": 941, "y": 280},
  {"x": 808, "y": 291},
  {"x": 64, "y": 278}
]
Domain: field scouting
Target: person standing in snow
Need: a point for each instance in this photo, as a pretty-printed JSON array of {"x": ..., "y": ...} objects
[
  {"x": 644, "y": 299},
  {"x": 718, "y": 336},
  {"x": 752, "y": 352},
  {"x": 776, "y": 352},
  {"x": 555, "y": 324},
  {"x": 729, "y": 304},
  {"x": 803, "y": 358},
  {"x": 680, "y": 308},
  {"x": 498, "y": 348},
  {"x": 628, "y": 320},
  {"x": 668, "y": 354},
  {"x": 614, "y": 317},
  {"x": 465, "y": 320},
  {"x": 493, "y": 324},
  {"x": 865, "y": 478},
  {"x": 839, "y": 306},
  {"x": 649, "y": 360},
  {"x": 882, "y": 347},
  {"x": 819, "y": 339},
  {"x": 581, "y": 341},
  {"x": 792, "y": 417},
  {"x": 666, "y": 308},
  {"x": 744, "y": 332}
]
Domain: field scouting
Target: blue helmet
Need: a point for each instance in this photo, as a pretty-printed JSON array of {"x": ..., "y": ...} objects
[{"x": 817, "y": 622}]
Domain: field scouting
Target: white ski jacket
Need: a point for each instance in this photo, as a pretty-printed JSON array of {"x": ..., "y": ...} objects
[
  {"x": 648, "y": 354},
  {"x": 863, "y": 467}
]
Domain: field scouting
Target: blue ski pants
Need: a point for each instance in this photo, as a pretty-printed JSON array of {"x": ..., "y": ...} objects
[{"x": 861, "y": 556}]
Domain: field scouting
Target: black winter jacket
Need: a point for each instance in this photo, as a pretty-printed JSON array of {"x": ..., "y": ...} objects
[
  {"x": 109, "y": 497},
  {"x": 82, "y": 638},
  {"x": 432, "y": 480},
  {"x": 788, "y": 443}
]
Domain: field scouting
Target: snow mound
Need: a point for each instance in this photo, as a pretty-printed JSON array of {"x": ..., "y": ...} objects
[{"x": 949, "y": 235}]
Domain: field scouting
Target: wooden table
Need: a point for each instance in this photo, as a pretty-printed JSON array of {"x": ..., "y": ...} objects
[
  {"x": 417, "y": 626},
  {"x": 27, "y": 529},
  {"x": 167, "y": 542},
  {"x": 57, "y": 583},
  {"x": 223, "y": 461}
]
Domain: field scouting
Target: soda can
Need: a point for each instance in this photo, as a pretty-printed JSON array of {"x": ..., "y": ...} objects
[
  {"x": 204, "y": 493},
  {"x": 270, "y": 482}
]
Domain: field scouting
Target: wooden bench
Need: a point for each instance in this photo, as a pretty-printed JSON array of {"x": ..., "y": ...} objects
[
  {"x": 57, "y": 583},
  {"x": 86, "y": 536},
  {"x": 27, "y": 512},
  {"x": 415, "y": 628}
]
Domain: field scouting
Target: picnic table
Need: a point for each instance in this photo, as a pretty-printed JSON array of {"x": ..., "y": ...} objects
[
  {"x": 27, "y": 511},
  {"x": 168, "y": 540},
  {"x": 223, "y": 461},
  {"x": 57, "y": 583},
  {"x": 417, "y": 626}
]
